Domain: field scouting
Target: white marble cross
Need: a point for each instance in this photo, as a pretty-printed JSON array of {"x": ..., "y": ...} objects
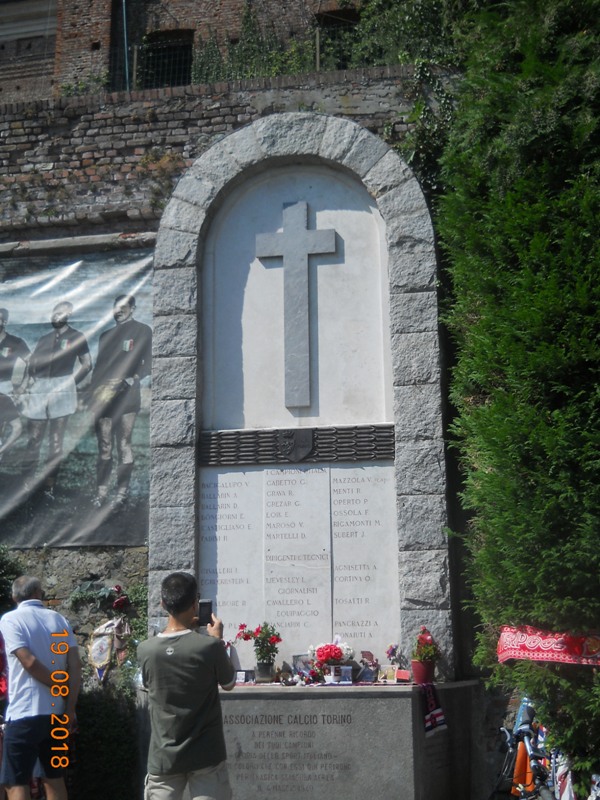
[{"x": 295, "y": 244}]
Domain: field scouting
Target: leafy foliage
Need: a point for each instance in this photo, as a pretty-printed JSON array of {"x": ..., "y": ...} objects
[
  {"x": 108, "y": 734},
  {"x": 405, "y": 32},
  {"x": 518, "y": 222},
  {"x": 433, "y": 37},
  {"x": 10, "y": 569},
  {"x": 258, "y": 53}
]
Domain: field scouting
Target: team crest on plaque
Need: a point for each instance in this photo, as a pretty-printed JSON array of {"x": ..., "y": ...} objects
[{"x": 295, "y": 444}]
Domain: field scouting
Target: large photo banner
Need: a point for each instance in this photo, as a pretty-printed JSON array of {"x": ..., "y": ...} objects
[{"x": 75, "y": 363}]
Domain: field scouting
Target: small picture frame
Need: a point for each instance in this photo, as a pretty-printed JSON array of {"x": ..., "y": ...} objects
[
  {"x": 301, "y": 664},
  {"x": 386, "y": 674},
  {"x": 245, "y": 676},
  {"x": 367, "y": 675}
]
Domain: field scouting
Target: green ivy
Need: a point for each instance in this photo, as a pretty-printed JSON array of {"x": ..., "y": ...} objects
[{"x": 259, "y": 52}]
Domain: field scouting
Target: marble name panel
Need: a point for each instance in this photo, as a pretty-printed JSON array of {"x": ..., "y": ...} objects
[{"x": 311, "y": 549}]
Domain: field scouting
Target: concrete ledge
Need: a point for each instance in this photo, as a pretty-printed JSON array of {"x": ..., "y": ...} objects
[{"x": 81, "y": 244}]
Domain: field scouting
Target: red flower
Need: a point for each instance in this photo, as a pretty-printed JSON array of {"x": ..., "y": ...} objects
[
  {"x": 121, "y": 602},
  {"x": 329, "y": 652},
  {"x": 117, "y": 589}
]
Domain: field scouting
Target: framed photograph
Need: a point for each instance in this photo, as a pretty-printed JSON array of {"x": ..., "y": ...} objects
[
  {"x": 301, "y": 664},
  {"x": 386, "y": 674},
  {"x": 367, "y": 675}
]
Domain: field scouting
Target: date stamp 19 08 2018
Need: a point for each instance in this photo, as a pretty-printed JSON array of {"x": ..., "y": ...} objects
[{"x": 60, "y": 688}]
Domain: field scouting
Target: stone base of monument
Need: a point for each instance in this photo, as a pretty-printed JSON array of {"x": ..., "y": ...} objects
[{"x": 351, "y": 743}]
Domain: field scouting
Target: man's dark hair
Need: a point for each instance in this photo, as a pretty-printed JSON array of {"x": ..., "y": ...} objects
[
  {"x": 178, "y": 592},
  {"x": 25, "y": 587},
  {"x": 125, "y": 298}
]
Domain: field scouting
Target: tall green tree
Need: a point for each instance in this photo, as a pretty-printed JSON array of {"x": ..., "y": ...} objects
[{"x": 518, "y": 223}]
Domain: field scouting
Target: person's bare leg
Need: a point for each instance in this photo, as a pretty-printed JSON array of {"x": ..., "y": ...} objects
[
  {"x": 18, "y": 793},
  {"x": 54, "y": 788}
]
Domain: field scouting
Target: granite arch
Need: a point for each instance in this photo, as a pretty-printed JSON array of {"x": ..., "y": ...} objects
[{"x": 297, "y": 139}]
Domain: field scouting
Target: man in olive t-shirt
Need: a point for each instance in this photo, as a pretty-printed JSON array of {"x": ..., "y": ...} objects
[{"x": 182, "y": 671}]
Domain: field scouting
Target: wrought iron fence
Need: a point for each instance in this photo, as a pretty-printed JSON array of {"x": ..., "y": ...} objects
[
  {"x": 151, "y": 66},
  {"x": 170, "y": 61}
]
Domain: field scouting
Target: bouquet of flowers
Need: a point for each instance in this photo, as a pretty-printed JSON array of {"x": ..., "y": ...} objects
[
  {"x": 266, "y": 639},
  {"x": 335, "y": 652},
  {"x": 425, "y": 648},
  {"x": 392, "y": 654}
]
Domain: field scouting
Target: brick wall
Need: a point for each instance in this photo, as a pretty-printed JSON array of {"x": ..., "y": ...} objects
[
  {"x": 102, "y": 163},
  {"x": 84, "y": 37},
  {"x": 88, "y": 30},
  {"x": 83, "y": 30},
  {"x": 26, "y": 68}
]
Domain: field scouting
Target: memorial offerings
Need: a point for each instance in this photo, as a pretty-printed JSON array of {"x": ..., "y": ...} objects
[
  {"x": 75, "y": 360},
  {"x": 424, "y": 656},
  {"x": 265, "y": 640}
]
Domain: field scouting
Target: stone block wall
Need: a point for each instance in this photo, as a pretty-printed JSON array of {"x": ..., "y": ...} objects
[{"x": 62, "y": 572}]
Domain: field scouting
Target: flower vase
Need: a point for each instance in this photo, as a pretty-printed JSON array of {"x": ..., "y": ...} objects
[
  {"x": 423, "y": 671},
  {"x": 265, "y": 672}
]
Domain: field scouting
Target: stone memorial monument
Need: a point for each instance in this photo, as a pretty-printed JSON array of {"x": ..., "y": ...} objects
[{"x": 298, "y": 461}]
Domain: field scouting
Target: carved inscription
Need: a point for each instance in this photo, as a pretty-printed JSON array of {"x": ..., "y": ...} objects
[
  {"x": 230, "y": 544},
  {"x": 283, "y": 751},
  {"x": 365, "y": 574},
  {"x": 312, "y": 743},
  {"x": 297, "y": 552},
  {"x": 310, "y": 548}
]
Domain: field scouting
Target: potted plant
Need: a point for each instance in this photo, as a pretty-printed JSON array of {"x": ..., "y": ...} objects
[
  {"x": 265, "y": 639},
  {"x": 424, "y": 655}
]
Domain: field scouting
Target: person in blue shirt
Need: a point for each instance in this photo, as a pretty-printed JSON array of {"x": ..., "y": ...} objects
[{"x": 41, "y": 650}]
